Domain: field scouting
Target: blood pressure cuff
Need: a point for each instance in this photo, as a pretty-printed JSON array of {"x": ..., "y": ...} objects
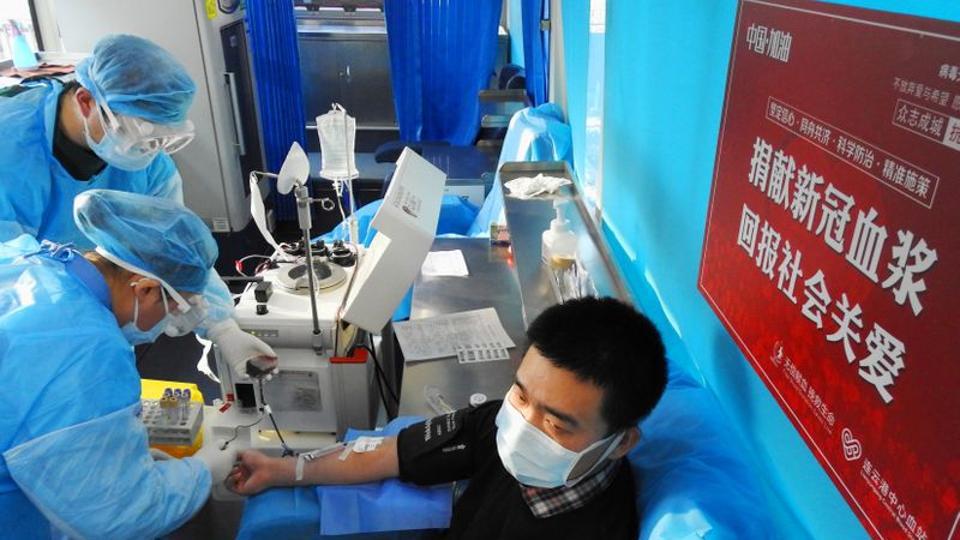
[
  {"x": 450, "y": 447},
  {"x": 390, "y": 505}
]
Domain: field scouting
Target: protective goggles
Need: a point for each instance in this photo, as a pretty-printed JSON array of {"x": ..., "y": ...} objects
[
  {"x": 185, "y": 316},
  {"x": 181, "y": 323},
  {"x": 142, "y": 136}
]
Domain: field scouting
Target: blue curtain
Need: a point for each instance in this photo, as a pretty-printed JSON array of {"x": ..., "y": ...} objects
[
  {"x": 536, "y": 49},
  {"x": 272, "y": 30},
  {"x": 442, "y": 54}
]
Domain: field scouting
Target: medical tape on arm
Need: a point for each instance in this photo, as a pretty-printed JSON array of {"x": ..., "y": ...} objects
[
  {"x": 303, "y": 458},
  {"x": 360, "y": 445}
]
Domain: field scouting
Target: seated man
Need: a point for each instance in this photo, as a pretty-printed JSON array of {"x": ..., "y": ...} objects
[{"x": 547, "y": 461}]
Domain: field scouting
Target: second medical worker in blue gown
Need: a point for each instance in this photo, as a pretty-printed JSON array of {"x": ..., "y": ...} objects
[
  {"x": 112, "y": 128},
  {"x": 73, "y": 453}
]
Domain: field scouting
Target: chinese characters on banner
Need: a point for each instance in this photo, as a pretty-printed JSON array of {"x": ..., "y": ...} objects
[{"x": 832, "y": 248}]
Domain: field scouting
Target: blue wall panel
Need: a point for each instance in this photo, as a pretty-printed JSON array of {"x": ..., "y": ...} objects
[
  {"x": 576, "y": 16},
  {"x": 666, "y": 70}
]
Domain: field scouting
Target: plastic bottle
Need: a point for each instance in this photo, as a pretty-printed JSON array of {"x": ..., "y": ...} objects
[
  {"x": 23, "y": 57},
  {"x": 436, "y": 400},
  {"x": 559, "y": 245}
]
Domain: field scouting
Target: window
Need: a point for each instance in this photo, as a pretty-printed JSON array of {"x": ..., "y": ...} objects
[
  {"x": 593, "y": 151},
  {"x": 16, "y": 18}
]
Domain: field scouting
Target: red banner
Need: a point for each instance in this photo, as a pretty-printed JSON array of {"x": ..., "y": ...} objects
[{"x": 832, "y": 245}]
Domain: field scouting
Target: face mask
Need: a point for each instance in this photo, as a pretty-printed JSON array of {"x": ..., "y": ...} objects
[
  {"x": 134, "y": 334},
  {"x": 534, "y": 459},
  {"x": 111, "y": 149}
]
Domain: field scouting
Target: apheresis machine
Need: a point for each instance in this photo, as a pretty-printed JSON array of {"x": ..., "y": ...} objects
[{"x": 321, "y": 323}]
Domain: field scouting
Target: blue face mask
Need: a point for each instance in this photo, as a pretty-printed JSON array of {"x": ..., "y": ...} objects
[
  {"x": 134, "y": 334},
  {"x": 108, "y": 149}
]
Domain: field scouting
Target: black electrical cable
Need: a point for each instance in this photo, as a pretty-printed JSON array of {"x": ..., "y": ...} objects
[
  {"x": 376, "y": 361},
  {"x": 380, "y": 372},
  {"x": 383, "y": 376},
  {"x": 380, "y": 385},
  {"x": 236, "y": 432},
  {"x": 286, "y": 449},
  {"x": 383, "y": 397}
]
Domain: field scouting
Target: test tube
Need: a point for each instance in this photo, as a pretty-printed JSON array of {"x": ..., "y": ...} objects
[
  {"x": 166, "y": 404},
  {"x": 186, "y": 404}
]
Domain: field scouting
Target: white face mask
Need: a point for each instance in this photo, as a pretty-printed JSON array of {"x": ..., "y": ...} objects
[
  {"x": 534, "y": 459},
  {"x": 187, "y": 315}
]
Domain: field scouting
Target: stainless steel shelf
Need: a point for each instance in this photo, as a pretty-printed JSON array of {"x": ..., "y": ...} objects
[{"x": 527, "y": 219}]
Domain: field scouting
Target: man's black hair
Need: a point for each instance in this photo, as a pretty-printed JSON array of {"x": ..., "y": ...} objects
[{"x": 610, "y": 344}]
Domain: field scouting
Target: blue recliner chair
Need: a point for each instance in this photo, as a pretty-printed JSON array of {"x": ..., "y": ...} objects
[{"x": 535, "y": 134}]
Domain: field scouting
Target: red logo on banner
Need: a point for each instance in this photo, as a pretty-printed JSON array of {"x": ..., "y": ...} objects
[{"x": 832, "y": 245}]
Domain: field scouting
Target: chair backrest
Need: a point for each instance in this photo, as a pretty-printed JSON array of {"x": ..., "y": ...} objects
[
  {"x": 517, "y": 82},
  {"x": 535, "y": 134},
  {"x": 508, "y": 72}
]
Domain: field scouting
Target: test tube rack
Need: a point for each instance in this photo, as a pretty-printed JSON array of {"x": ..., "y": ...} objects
[{"x": 162, "y": 429}]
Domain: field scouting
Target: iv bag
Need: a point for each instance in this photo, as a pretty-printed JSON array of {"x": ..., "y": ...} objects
[{"x": 337, "y": 131}]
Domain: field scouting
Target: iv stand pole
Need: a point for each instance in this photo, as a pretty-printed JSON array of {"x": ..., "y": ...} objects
[{"x": 302, "y": 193}]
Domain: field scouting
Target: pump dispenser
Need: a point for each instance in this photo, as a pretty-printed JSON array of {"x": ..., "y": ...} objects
[{"x": 559, "y": 245}]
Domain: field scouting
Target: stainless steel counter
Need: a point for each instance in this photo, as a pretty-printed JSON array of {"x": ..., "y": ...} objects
[
  {"x": 492, "y": 283},
  {"x": 512, "y": 280}
]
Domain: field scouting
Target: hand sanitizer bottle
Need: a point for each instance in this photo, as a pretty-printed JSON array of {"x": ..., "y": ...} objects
[{"x": 559, "y": 245}]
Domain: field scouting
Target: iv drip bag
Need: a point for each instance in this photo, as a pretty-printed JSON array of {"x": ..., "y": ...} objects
[{"x": 337, "y": 132}]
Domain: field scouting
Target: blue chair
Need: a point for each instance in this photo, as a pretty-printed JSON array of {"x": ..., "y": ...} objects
[
  {"x": 535, "y": 134},
  {"x": 508, "y": 73}
]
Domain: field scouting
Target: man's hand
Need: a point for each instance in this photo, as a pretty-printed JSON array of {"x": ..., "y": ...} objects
[
  {"x": 255, "y": 472},
  {"x": 248, "y": 355}
]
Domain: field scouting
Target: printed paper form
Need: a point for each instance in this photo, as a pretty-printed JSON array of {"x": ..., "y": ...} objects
[
  {"x": 445, "y": 263},
  {"x": 445, "y": 335}
]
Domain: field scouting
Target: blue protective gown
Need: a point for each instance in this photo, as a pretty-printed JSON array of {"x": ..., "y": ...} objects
[
  {"x": 73, "y": 454},
  {"x": 36, "y": 192},
  {"x": 534, "y": 134}
]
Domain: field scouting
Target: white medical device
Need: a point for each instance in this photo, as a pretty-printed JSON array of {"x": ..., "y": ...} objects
[{"x": 320, "y": 387}]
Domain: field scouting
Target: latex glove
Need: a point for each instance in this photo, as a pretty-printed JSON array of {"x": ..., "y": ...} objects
[
  {"x": 219, "y": 462},
  {"x": 248, "y": 355},
  {"x": 160, "y": 455}
]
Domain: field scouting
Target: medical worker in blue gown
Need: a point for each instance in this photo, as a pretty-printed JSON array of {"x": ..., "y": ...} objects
[
  {"x": 112, "y": 128},
  {"x": 74, "y": 454}
]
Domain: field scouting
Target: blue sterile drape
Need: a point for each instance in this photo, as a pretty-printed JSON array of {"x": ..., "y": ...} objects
[
  {"x": 442, "y": 54},
  {"x": 275, "y": 55},
  {"x": 536, "y": 49}
]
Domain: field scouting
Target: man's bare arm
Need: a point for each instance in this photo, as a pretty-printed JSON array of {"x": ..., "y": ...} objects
[{"x": 255, "y": 472}]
